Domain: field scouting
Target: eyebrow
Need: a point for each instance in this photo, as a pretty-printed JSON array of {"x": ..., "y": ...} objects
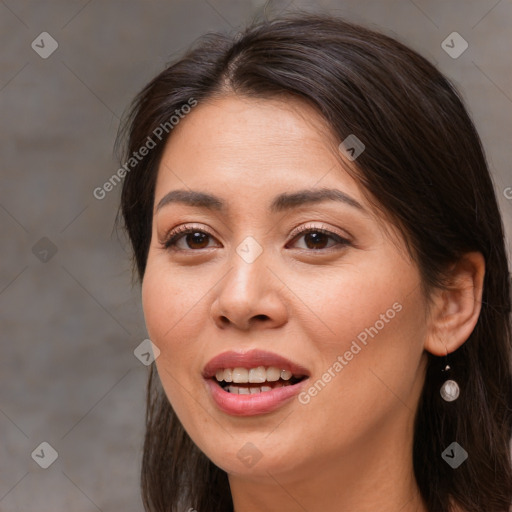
[{"x": 282, "y": 202}]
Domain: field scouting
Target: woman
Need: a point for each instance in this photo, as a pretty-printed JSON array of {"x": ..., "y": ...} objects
[{"x": 324, "y": 275}]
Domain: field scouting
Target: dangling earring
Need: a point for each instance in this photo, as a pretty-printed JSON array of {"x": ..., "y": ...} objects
[{"x": 450, "y": 389}]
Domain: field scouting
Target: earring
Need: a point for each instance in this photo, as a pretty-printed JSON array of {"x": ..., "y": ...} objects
[{"x": 450, "y": 389}]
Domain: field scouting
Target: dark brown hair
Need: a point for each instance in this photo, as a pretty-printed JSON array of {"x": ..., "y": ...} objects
[{"x": 423, "y": 165}]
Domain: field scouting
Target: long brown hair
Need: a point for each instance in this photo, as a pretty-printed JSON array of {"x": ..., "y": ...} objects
[{"x": 423, "y": 165}]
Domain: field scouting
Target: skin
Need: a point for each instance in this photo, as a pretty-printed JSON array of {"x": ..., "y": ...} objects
[{"x": 350, "y": 447}]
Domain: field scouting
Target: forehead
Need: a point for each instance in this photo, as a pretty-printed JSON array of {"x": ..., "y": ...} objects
[{"x": 237, "y": 143}]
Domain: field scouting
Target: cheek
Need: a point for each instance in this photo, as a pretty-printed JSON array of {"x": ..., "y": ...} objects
[
  {"x": 170, "y": 314},
  {"x": 171, "y": 304},
  {"x": 373, "y": 318},
  {"x": 360, "y": 386},
  {"x": 171, "y": 329},
  {"x": 347, "y": 302}
]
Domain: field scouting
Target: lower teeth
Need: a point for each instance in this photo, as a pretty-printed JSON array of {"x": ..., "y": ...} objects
[{"x": 241, "y": 390}]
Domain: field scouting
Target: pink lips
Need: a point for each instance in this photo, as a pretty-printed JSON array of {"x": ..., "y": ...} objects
[{"x": 259, "y": 403}]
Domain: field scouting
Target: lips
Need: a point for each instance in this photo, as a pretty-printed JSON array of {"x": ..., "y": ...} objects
[{"x": 248, "y": 394}]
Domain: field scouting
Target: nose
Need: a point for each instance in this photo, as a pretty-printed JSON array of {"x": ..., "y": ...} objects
[{"x": 249, "y": 296}]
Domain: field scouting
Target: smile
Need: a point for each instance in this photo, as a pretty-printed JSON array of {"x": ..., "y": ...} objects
[
  {"x": 251, "y": 381},
  {"x": 246, "y": 383}
]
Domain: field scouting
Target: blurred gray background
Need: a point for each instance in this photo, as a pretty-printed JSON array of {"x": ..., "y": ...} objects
[{"x": 70, "y": 317}]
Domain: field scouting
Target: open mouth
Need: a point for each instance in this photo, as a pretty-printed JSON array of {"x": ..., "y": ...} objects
[{"x": 250, "y": 381}]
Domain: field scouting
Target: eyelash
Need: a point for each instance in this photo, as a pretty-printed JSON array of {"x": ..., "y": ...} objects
[{"x": 176, "y": 234}]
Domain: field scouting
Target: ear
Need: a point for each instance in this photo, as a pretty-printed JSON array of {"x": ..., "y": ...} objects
[{"x": 454, "y": 312}]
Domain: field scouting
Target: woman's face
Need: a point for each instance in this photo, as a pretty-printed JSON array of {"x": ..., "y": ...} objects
[{"x": 340, "y": 303}]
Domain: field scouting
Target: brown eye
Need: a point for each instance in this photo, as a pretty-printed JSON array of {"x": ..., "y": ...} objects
[
  {"x": 317, "y": 239},
  {"x": 195, "y": 239}
]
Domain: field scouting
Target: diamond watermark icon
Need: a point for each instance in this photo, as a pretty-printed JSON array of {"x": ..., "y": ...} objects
[
  {"x": 249, "y": 250},
  {"x": 455, "y": 455},
  {"x": 44, "y": 249},
  {"x": 45, "y": 455},
  {"x": 146, "y": 352},
  {"x": 44, "y": 45},
  {"x": 352, "y": 147},
  {"x": 454, "y": 45},
  {"x": 249, "y": 454}
]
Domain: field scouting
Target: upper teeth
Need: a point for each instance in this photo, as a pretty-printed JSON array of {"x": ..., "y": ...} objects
[{"x": 255, "y": 375}]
